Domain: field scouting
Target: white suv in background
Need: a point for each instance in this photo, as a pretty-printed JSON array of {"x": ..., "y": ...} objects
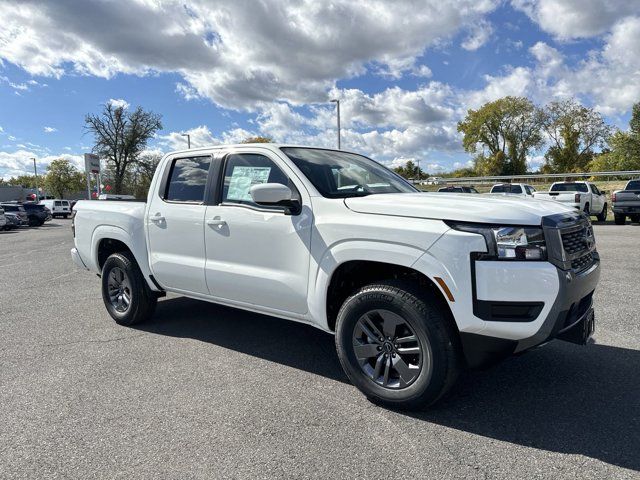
[{"x": 517, "y": 189}]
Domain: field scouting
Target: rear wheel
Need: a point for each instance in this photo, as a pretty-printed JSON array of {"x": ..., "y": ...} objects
[
  {"x": 602, "y": 216},
  {"x": 619, "y": 219},
  {"x": 396, "y": 346},
  {"x": 587, "y": 209},
  {"x": 635, "y": 218},
  {"x": 125, "y": 292}
]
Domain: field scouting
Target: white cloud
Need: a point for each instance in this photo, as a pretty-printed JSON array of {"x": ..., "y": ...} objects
[
  {"x": 237, "y": 56},
  {"x": 479, "y": 33},
  {"x": 571, "y": 19},
  {"x": 118, "y": 102},
  {"x": 20, "y": 162},
  {"x": 50, "y": 129}
]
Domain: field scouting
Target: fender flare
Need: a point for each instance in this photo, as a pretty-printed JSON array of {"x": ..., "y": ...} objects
[
  {"x": 103, "y": 232},
  {"x": 359, "y": 250}
]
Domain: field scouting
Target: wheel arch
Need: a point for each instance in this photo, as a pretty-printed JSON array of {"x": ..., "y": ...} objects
[{"x": 108, "y": 239}]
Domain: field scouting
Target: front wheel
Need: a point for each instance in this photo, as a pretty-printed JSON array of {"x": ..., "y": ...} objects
[
  {"x": 396, "y": 346},
  {"x": 619, "y": 219},
  {"x": 124, "y": 290},
  {"x": 602, "y": 216}
]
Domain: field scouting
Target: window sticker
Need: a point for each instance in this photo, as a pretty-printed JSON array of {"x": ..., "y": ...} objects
[{"x": 243, "y": 178}]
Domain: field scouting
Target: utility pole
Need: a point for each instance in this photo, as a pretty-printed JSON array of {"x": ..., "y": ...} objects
[
  {"x": 35, "y": 172},
  {"x": 337, "y": 102},
  {"x": 188, "y": 140}
]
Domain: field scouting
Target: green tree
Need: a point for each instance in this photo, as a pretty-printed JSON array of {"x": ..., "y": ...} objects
[
  {"x": 506, "y": 129},
  {"x": 624, "y": 148},
  {"x": 410, "y": 171},
  {"x": 575, "y": 131},
  {"x": 142, "y": 173},
  {"x": 120, "y": 137},
  {"x": 26, "y": 181},
  {"x": 62, "y": 178},
  {"x": 258, "y": 140}
]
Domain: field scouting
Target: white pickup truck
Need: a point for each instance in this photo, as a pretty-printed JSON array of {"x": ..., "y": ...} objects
[
  {"x": 415, "y": 286},
  {"x": 583, "y": 196}
]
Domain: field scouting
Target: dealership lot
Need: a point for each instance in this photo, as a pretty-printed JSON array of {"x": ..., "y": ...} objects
[{"x": 206, "y": 391}]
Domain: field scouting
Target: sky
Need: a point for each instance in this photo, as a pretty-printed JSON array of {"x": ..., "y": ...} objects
[{"x": 405, "y": 72}]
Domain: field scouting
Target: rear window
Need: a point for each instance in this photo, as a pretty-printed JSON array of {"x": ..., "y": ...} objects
[
  {"x": 188, "y": 179},
  {"x": 57, "y": 203},
  {"x": 569, "y": 187},
  {"x": 506, "y": 189},
  {"x": 633, "y": 185}
]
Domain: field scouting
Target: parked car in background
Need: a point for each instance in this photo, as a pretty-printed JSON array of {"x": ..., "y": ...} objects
[
  {"x": 13, "y": 220},
  {"x": 518, "y": 189},
  {"x": 38, "y": 214},
  {"x": 457, "y": 189},
  {"x": 58, "y": 207},
  {"x": 3, "y": 219},
  {"x": 18, "y": 209},
  {"x": 626, "y": 203},
  {"x": 583, "y": 196}
]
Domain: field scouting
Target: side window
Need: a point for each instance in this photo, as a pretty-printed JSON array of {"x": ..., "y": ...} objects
[
  {"x": 243, "y": 170},
  {"x": 516, "y": 189},
  {"x": 57, "y": 203},
  {"x": 188, "y": 179}
]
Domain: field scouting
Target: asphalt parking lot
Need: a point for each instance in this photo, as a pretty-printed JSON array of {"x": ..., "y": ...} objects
[{"x": 210, "y": 392}]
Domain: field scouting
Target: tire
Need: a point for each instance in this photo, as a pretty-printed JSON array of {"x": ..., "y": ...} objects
[
  {"x": 436, "y": 367},
  {"x": 619, "y": 219},
  {"x": 635, "y": 218},
  {"x": 587, "y": 209},
  {"x": 121, "y": 270},
  {"x": 602, "y": 216}
]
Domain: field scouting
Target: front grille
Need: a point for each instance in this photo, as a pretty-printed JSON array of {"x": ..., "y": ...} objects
[
  {"x": 575, "y": 241},
  {"x": 582, "y": 263},
  {"x": 579, "y": 244}
]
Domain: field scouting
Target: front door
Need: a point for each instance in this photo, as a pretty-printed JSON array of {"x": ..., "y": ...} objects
[
  {"x": 257, "y": 255},
  {"x": 175, "y": 225}
]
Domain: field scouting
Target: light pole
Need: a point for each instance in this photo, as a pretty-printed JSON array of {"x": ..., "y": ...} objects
[
  {"x": 35, "y": 172},
  {"x": 188, "y": 140},
  {"x": 337, "y": 102}
]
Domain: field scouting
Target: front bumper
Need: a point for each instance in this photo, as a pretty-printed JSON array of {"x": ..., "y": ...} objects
[{"x": 569, "y": 316}]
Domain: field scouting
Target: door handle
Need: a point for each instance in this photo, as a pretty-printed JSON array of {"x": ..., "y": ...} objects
[
  {"x": 157, "y": 218},
  {"x": 216, "y": 222}
]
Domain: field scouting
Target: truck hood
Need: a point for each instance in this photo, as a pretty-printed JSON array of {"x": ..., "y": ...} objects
[{"x": 459, "y": 207}]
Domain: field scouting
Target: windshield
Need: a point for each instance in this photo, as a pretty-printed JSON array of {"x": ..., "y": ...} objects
[
  {"x": 569, "y": 187},
  {"x": 340, "y": 174}
]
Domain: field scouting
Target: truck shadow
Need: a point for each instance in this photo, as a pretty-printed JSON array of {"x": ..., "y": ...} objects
[{"x": 560, "y": 398}]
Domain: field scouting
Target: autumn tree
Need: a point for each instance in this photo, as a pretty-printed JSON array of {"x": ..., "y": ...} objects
[
  {"x": 258, "y": 140},
  {"x": 62, "y": 178},
  {"x": 120, "y": 136},
  {"x": 505, "y": 131},
  {"x": 575, "y": 131}
]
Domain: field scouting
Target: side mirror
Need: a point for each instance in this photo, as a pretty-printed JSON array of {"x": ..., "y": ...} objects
[
  {"x": 603, "y": 192},
  {"x": 275, "y": 194}
]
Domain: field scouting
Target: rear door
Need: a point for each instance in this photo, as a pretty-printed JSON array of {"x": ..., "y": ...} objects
[
  {"x": 255, "y": 254},
  {"x": 175, "y": 224}
]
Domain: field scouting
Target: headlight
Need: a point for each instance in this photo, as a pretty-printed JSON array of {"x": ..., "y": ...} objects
[{"x": 509, "y": 243}]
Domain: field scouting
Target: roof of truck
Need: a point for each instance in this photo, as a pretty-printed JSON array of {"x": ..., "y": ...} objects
[{"x": 269, "y": 146}]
